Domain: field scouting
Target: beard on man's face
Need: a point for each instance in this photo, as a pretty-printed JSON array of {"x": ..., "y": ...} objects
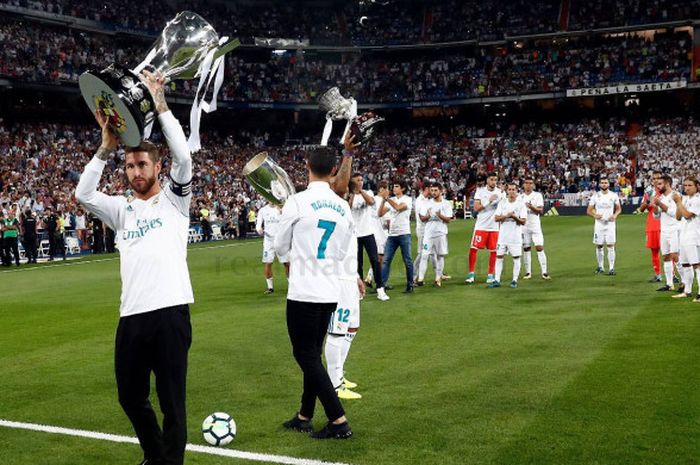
[{"x": 142, "y": 185}]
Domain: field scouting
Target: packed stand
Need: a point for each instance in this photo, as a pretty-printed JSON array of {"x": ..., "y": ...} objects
[
  {"x": 455, "y": 20},
  {"x": 41, "y": 164},
  {"x": 594, "y": 14},
  {"x": 386, "y": 23},
  {"x": 55, "y": 55}
]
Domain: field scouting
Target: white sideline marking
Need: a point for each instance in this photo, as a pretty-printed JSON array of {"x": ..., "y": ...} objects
[
  {"x": 239, "y": 454},
  {"x": 87, "y": 262}
]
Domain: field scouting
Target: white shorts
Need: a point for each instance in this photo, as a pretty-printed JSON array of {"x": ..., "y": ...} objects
[
  {"x": 605, "y": 234},
  {"x": 380, "y": 239},
  {"x": 670, "y": 242},
  {"x": 436, "y": 245},
  {"x": 269, "y": 254},
  {"x": 347, "y": 314},
  {"x": 689, "y": 254},
  {"x": 531, "y": 238},
  {"x": 514, "y": 250}
]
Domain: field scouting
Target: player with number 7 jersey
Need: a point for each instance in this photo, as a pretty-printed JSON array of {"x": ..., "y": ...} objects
[{"x": 315, "y": 229}]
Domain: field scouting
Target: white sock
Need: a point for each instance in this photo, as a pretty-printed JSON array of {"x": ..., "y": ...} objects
[
  {"x": 599, "y": 255},
  {"x": 422, "y": 266},
  {"x": 527, "y": 261},
  {"x": 370, "y": 275},
  {"x": 345, "y": 349},
  {"x": 668, "y": 272},
  {"x": 499, "y": 269},
  {"x": 542, "y": 258},
  {"x": 334, "y": 358},
  {"x": 516, "y": 268},
  {"x": 433, "y": 260},
  {"x": 688, "y": 276},
  {"x": 611, "y": 257},
  {"x": 419, "y": 257},
  {"x": 269, "y": 283},
  {"x": 440, "y": 267},
  {"x": 697, "y": 275}
]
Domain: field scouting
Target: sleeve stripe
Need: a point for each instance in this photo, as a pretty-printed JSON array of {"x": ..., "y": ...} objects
[{"x": 181, "y": 190}]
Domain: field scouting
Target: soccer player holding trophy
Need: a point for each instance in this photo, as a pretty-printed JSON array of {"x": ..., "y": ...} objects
[{"x": 154, "y": 332}]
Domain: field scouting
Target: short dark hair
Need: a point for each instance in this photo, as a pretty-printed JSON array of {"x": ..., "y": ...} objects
[
  {"x": 436, "y": 184},
  {"x": 146, "y": 146},
  {"x": 356, "y": 174},
  {"x": 402, "y": 183},
  {"x": 667, "y": 178},
  {"x": 351, "y": 185},
  {"x": 321, "y": 159},
  {"x": 491, "y": 174},
  {"x": 529, "y": 178},
  {"x": 383, "y": 184},
  {"x": 656, "y": 172}
]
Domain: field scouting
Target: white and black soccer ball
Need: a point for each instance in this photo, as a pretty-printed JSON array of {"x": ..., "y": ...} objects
[{"x": 219, "y": 429}]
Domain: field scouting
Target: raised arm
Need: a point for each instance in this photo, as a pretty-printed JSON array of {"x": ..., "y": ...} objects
[
  {"x": 181, "y": 164},
  {"x": 339, "y": 182},
  {"x": 105, "y": 207}
]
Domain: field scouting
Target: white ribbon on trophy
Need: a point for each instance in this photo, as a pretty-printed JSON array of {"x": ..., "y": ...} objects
[
  {"x": 337, "y": 108},
  {"x": 210, "y": 68}
]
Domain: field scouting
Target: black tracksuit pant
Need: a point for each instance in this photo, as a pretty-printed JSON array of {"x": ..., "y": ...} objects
[
  {"x": 307, "y": 324},
  {"x": 157, "y": 342},
  {"x": 370, "y": 245},
  {"x": 11, "y": 249}
]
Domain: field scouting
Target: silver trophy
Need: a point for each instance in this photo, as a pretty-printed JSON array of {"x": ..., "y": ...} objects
[
  {"x": 338, "y": 108},
  {"x": 188, "y": 48},
  {"x": 268, "y": 178}
]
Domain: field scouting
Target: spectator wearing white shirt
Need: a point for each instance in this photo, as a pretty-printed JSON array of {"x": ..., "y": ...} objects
[
  {"x": 362, "y": 204},
  {"x": 398, "y": 208}
]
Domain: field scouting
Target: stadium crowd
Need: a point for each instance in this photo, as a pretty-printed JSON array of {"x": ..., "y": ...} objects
[
  {"x": 388, "y": 22},
  {"x": 42, "y": 162},
  {"x": 54, "y": 55}
]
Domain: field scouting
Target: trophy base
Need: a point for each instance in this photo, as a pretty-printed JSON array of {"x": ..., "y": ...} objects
[
  {"x": 122, "y": 97},
  {"x": 364, "y": 127}
]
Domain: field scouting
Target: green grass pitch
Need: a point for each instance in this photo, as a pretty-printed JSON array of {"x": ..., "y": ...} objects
[{"x": 584, "y": 369}]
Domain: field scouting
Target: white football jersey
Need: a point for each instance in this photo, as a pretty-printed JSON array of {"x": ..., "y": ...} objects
[
  {"x": 534, "y": 224},
  {"x": 669, "y": 223},
  {"x": 691, "y": 232},
  {"x": 268, "y": 220},
  {"x": 485, "y": 219},
  {"x": 435, "y": 227},
  {"x": 421, "y": 202},
  {"x": 510, "y": 232},
  {"x": 604, "y": 204},
  {"x": 399, "y": 221},
  {"x": 151, "y": 234},
  {"x": 380, "y": 223},
  {"x": 315, "y": 230},
  {"x": 349, "y": 266},
  {"x": 362, "y": 214}
]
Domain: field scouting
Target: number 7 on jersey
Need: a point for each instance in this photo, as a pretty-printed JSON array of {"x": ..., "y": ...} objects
[{"x": 328, "y": 227}]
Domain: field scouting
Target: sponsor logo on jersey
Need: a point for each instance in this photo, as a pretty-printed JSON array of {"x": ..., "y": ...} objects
[{"x": 144, "y": 226}]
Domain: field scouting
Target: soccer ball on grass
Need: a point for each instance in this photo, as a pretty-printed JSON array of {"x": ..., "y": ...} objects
[{"x": 219, "y": 429}]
